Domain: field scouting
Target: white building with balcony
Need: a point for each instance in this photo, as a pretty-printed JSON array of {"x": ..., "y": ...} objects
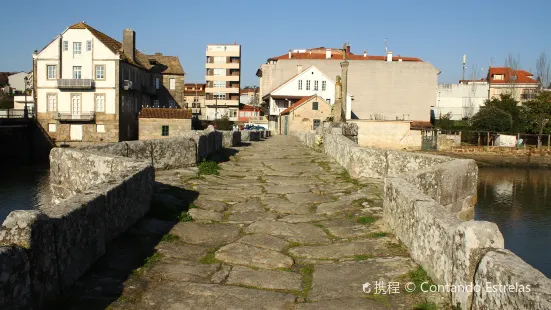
[
  {"x": 305, "y": 83},
  {"x": 90, "y": 87},
  {"x": 223, "y": 78}
]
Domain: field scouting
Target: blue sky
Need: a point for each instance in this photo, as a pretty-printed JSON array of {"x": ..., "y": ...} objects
[{"x": 439, "y": 32}]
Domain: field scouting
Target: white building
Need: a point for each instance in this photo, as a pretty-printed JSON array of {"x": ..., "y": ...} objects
[
  {"x": 461, "y": 100},
  {"x": 17, "y": 81},
  {"x": 305, "y": 83},
  {"x": 223, "y": 76}
]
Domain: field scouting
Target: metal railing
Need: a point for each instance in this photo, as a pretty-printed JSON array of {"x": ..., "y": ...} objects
[
  {"x": 68, "y": 116},
  {"x": 75, "y": 83},
  {"x": 15, "y": 113}
]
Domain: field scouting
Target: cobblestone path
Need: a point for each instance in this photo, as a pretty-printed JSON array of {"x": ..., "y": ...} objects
[{"x": 280, "y": 227}]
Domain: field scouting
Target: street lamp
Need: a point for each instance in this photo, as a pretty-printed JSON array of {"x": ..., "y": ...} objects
[{"x": 26, "y": 110}]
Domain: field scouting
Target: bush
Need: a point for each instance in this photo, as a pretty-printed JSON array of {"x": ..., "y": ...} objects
[
  {"x": 208, "y": 167},
  {"x": 224, "y": 123},
  {"x": 492, "y": 119}
]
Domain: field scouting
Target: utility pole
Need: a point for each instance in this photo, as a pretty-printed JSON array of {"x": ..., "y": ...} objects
[{"x": 464, "y": 66}]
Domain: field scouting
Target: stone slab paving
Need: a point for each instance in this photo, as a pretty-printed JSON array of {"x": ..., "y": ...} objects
[{"x": 281, "y": 227}]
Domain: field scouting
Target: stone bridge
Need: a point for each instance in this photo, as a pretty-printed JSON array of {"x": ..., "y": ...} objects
[{"x": 281, "y": 227}]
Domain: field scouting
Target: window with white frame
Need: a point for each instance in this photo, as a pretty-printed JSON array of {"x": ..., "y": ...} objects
[
  {"x": 299, "y": 84},
  {"x": 52, "y": 127},
  {"x": 52, "y": 72},
  {"x": 100, "y": 103},
  {"x": 220, "y": 72},
  {"x": 307, "y": 84},
  {"x": 220, "y": 96},
  {"x": 323, "y": 85},
  {"x": 65, "y": 46},
  {"x": 52, "y": 102},
  {"x": 219, "y": 59},
  {"x": 77, "y": 72},
  {"x": 77, "y": 47},
  {"x": 89, "y": 45},
  {"x": 172, "y": 83},
  {"x": 100, "y": 72},
  {"x": 316, "y": 85},
  {"x": 156, "y": 103},
  {"x": 219, "y": 84}
]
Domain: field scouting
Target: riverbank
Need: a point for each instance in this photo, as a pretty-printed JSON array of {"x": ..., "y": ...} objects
[{"x": 499, "y": 160}]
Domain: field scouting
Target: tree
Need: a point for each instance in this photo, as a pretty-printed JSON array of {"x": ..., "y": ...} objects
[
  {"x": 513, "y": 65},
  {"x": 543, "y": 71},
  {"x": 490, "y": 118},
  {"x": 538, "y": 112},
  {"x": 445, "y": 122},
  {"x": 508, "y": 104}
]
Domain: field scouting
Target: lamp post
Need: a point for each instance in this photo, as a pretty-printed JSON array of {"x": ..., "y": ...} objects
[{"x": 26, "y": 110}]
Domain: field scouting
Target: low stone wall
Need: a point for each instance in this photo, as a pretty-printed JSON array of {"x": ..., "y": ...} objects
[
  {"x": 427, "y": 198},
  {"x": 544, "y": 151},
  {"x": 254, "y": 135}
]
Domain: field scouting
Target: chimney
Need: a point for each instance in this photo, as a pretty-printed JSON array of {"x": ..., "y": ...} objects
[
  {"x": 299, "y": 68},
  {"x": 328, "y": 53},
  {"x": 365, "y": 53},
  {"x": 289, "y": 54},
  {"x": 348, "y": 48},
  {"x": 129, "y": 43},
  {"x": 389, "y": 56}
]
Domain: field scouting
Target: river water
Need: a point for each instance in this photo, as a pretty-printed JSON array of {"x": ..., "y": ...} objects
[
  {"x": 519, "y": 202},
  {"x": 23, "y": 188}
]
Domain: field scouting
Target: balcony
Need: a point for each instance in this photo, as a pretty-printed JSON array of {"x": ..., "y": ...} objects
[
  {"x": 68, "y": 116},
  {"x": 75, "y": 83},
  {"x": 527, "y": 96}
]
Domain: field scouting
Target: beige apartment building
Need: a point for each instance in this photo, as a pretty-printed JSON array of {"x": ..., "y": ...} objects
[
  {"x": 194, "y": 94},
  {"x": 223, "y": 78}
]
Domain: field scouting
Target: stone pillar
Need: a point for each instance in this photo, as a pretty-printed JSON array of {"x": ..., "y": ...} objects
[
  {"x": 336, "y": 111},
  {"x": 344, "y": 74}
]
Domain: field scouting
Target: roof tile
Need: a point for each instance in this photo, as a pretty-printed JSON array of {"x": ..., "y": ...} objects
[{"x": 165, "y": 113}]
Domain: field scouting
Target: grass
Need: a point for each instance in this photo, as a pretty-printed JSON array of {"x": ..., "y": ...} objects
[
  {"x": 378, "y": 234},
  {"x": 362, "y": 257},
  {"x": 425, "y": 305},
  {"x": 307, "y": 277},
  {"x": 192, "y": 206},
  {"x": 419, "y": 276},
  {"x": 185, "y": 217},
  {"x": 147, "y": 263},
  {"x": 170, "y": 238},
  {"x": 208, "y": 258},
  {"x": 208, "y": 167},
  {"x": 365, "y": 219}
]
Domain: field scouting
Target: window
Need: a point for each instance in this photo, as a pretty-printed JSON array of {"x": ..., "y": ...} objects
[
  {"x": 316, "y": 123},
  {"x": 157, "y": 83},
  {"x": 77, "y": 48},
  {"x": 316, "y": 85},
  {"x": 100, "y": 72},
  {"x": 307, "y": 84},
  {"x": 220, "y": 72},
  {"x": 219, "y": 59},
  {"x": 52, "y": 127},
  {"x": 89, "y": 45},
  {"x": 100, "y": 128},
  {"x": 328, "y": 100},
  {"x": 172, "y": 104},
  {"x": 77, "y": 72},
  {"x": 323, "y": 85},
  {"x": 220, "y": 84},
  {"x": 156, "y": 103},
  {"x": 233, "y": 113},
  {"x": 314, "y": 106},
  {"x": 220, "y": 96},
  {"x": 164, "y": 130},
  {"x": 100, "y": 103},
  {"x": 52, "y": 72},
  {"x": 299, "y": 84},
  {"x": 172, "y": 83},
  {"x": 52, "y": 103},
  {"x": 65, "y": 46}
]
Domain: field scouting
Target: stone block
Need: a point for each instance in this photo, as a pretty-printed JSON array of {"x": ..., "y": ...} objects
[
  {"x": 15, "y": 281},
  {"x": 400, "y": 162}
]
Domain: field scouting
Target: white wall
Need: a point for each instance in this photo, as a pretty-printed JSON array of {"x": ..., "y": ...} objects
[
  {"x": 17, "y": 81},
  {"x": 456, "y": 99},
  {"x": 388, "y": 135}
]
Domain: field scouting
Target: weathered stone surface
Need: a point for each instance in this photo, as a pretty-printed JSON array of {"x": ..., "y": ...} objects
[
  {"x": 221, "y": 275},
  {"x": 345, "y": 280},
  {"x": 350, "y": 231},
  {"x": 302, "y": 218},
  {"x": 334, "y": 207},
  {"x": 242, "y": 254},
  {"x": 349, "y": 304},
  {"x": 501, "y": 267},
  {"x": 15, "y": 280},
  {"x": 154, "y": 226},
  {"x": 267, "y": 279},
  {"x": 249, "y": 217},
  {"x": 301, "y": 232},
  {"x": 248, "y": 206},
  {"x": 287, "y": 189},
  {"x": 307, "y": 198},
  {"x": 181, "y": 250},
  {"x": 185, "y": 295},
  {"x": 289, "y": 208},
  {"x": 264, "y": 241},
  {"x": 205, "y": 215},
  {"x": 213, "y": 205},
  {"x": 206, "y": 234},
  {"x": 373, "y": 247},
  {"x": 183, "y": 271}
]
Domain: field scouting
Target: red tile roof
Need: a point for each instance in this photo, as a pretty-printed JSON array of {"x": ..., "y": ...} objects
[
  {"x": 247, "y": 107},
  {"x": 296, "y": 104},
  {"x": 165, "y": 113},
  {"x": 523, "y": 77},
  {"x": 336, "y": 54}
]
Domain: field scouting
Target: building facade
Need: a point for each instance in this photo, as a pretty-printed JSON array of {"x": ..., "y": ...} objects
[
  {"x": 194, "y": 94},
  {"x": 17, "y": 82},
  {"x": 223, "y": 78},
  {"x": 90, "y": 87},
  {"x": 519, "y": 83},
  {"x": 383, "y": 87},
  {"x": 162, "y": 123},
  {"x": 462, "y": 100},
  {"x": 168, "y": 79},
  {"x": 304, "y": 115}
]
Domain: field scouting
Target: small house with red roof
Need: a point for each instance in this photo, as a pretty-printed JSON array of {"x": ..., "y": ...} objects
[
  {"x": 519, "y": 83},
  {"x": 305, "y": 114}
]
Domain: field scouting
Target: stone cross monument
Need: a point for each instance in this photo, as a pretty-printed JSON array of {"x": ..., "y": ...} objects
[
  {"x": 344, "y": 86},
  {"x": 337, "y": 112}
]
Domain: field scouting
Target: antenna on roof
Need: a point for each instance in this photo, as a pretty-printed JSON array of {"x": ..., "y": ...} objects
[
  {"x": 464, "y": 65},
  {"x": 386, "y": 45}
]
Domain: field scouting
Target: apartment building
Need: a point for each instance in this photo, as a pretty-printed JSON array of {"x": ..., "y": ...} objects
[
  {"x": 519, "y": 83},
  {"x": 223, "y": 79},
  {"x": 462, "y": 100},
  {"x": 390, "y": 87},
  {"x": 195, "y": 99},
  {"x": 90, "y": 87}
]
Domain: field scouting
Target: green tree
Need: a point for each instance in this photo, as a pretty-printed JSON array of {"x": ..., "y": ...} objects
[
  {"x": 538, "y": 113},
  {"x": 445, "y": 122},
  {"x": 508, "y": 104},
  {"x": 490, "y": 118},
  {"x": 224, "y": 123}
]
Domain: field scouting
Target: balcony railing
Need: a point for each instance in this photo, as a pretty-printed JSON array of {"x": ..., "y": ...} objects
[
  {"x": 68, "y": 116},
  {"x": 15, "y": 113},
  {"x": 75, "y": 83},
  {"x": 527, "y": 96}
]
